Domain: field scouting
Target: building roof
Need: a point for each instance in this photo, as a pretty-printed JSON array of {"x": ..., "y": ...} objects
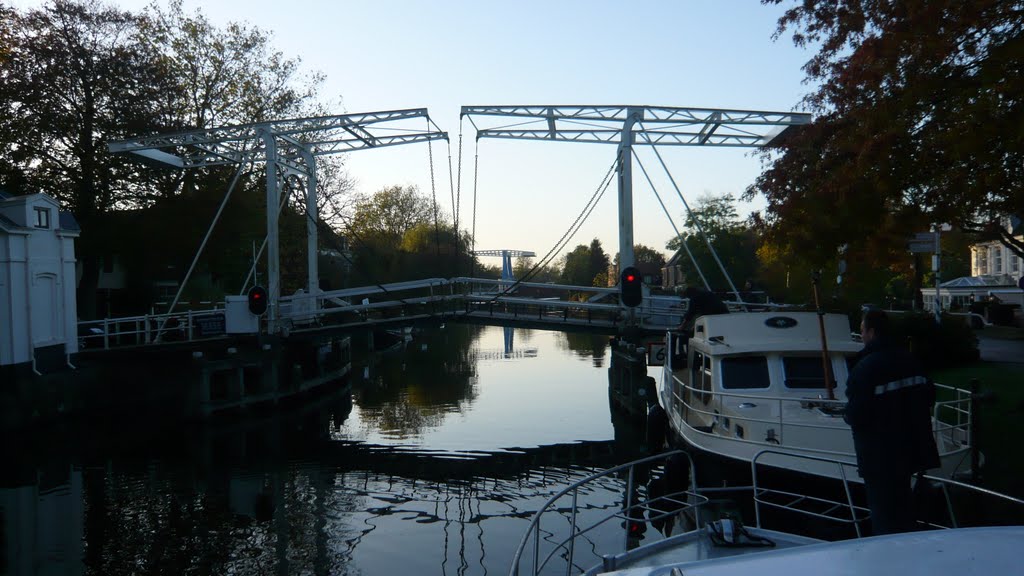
[
  {"x": 984, "y": 281},
  {"x": 68, "y": 222},
  {"x": 8, "y": 224}
]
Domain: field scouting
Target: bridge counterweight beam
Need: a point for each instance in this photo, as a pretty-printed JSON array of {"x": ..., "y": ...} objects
[{"x": 625, "y": 165}]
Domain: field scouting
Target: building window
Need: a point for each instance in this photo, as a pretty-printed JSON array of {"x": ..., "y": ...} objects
[
  {"x": 1014, "y": 264},
  {"x": 997, "y": 260},
  {"x": 42, "y": 218},
  {"x": 983, "y": 261}
]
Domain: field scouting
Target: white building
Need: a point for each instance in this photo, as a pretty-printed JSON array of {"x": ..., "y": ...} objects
[
  {"x": 994, "y": 259},
  {"x": 38, "y": 312},
  {"x": 995, "y": 272}
]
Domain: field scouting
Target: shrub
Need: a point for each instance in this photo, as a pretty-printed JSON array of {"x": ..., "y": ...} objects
[{"x": 951, "y": 344}]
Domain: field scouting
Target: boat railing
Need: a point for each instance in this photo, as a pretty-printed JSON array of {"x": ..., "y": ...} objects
[
  {"x": 716, "y": 397},
  {"x": 952, "y": 417},
  {"x": 634, "y": 513},
  {"x": 845, "y": 511}
]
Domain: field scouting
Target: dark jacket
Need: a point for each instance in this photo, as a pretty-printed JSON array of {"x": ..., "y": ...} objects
[{"x": 889, "y": 409}]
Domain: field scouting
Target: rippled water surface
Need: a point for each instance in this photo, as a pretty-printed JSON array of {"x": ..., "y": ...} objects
[{"x": 432, "y": 464}]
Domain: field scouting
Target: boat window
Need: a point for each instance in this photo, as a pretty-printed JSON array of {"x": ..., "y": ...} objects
[
  {"x": 744, "y": 372},
  {"x": 805, "y": 372},
  {"x": 701, "y": 376}
]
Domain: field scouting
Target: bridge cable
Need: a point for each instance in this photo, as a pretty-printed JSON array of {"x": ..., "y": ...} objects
[
  {"x": 588, "y": 209},
  {"x": 697, "y": 223},
  {"x": 263, "y": 246},
  {"x": 458, "y": 193},
  {"x": 476, "y": 169},
  {"x": 456, "y": 200},
  {"x": 202, "y": 245},
  {"x": 670, "y": 220},
  {"x": 433, "y": 196},
  {"x": 455, "y": 207}
]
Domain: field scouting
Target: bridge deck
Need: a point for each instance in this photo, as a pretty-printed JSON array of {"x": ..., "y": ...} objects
[{"x": 551, "y": 307}]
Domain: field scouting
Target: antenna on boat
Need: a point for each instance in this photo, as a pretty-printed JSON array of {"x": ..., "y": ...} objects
[{"x": 815, "y": 279}]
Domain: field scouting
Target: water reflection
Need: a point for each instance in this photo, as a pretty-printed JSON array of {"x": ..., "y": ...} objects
[
  {"x": 433, "y": 466},
  {"x": 585, "y": 345}
]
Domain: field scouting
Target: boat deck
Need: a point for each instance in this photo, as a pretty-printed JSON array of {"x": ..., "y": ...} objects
[
  {"x": 697, "y": 546},
  {"x": 991, "y": 550}
]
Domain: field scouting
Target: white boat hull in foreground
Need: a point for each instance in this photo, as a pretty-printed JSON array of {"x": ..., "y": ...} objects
[
  {"x": 956, "y": 552},
  {"x": 577, "y": 528}
]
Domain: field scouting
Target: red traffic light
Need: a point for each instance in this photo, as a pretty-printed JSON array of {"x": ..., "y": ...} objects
[
  {"x": 631, "y": 291},
  {"x": 257, "y": 300}
]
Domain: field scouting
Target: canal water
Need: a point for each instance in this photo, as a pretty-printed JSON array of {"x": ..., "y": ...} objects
[{"x": 432, "y": 464}]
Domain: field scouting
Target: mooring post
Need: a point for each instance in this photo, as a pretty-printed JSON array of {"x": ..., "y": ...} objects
[{"x": 973, "y": 428}]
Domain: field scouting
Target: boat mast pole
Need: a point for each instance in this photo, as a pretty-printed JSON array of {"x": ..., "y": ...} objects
[{"x": 815, "y": 278}]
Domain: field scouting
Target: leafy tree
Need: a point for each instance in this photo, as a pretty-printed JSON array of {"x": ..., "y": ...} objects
[
  {"x": 524, "y": 264},
  {"x": 428, "y": 251},
  {"x": 75, "y": 74},
  {"x": 395, "y": 238},
  {"x": 735, "y": 244},
  {"x": 383, "y": 218},
  {"x": 915, "y": 115},
  {"x": 598, "y": 264},
  {"x": 72, "y": 78},
  {"x": 647, "y": 256},
  {"x": 582, "y": 266},
  {"x": 576, "y": 267}
]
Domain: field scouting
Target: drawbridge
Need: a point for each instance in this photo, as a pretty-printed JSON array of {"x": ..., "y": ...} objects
[{"x": 289, "y": 148}]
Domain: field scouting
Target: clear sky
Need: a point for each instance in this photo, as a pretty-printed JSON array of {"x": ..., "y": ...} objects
[{"x": 443, "y": 54}]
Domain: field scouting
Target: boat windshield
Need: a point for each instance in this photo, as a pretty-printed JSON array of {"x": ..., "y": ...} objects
[
  {"x": 805, "y": 372},
  {"x": 745, "y": 372}
]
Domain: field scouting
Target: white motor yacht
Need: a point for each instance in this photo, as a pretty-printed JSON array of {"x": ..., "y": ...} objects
[{"x": 749, "y": 381}]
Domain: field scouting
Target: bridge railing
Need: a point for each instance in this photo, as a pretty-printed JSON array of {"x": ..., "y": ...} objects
[
  {"x": 433, "y": 297},
  {"x": 149, "y": 329}
]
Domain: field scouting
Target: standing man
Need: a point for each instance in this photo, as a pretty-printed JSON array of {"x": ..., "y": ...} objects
[{"x": 889, "y": 410}]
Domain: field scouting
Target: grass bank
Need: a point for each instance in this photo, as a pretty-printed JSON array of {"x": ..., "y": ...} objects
[{"x": 1001, "y": 420}]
